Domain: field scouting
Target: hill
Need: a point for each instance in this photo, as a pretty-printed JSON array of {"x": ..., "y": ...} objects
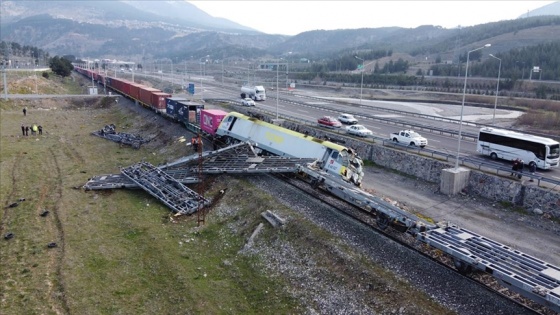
[{"x": 140, "y": 30}]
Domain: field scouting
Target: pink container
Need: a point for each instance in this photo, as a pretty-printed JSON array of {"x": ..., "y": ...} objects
[{"x": 210, "y": 120}]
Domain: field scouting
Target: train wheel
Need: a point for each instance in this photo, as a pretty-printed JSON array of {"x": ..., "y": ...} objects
[
  {"x": 382, "y": 221},
  {"x": 230, "y": 141},
  {"x": 461, "y": 266},
  {"x": 314, "y": 183}
]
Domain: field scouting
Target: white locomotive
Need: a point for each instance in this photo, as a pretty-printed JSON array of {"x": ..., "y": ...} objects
[{"x": 331, "y": 157}]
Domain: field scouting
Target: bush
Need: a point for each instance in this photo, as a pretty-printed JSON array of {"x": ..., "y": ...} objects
[
  {"x": 45, "y": 75},
  {"x": 61, "y": 66}
]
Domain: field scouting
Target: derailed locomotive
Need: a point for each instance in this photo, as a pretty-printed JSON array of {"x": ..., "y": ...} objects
[{"x": 330, "y": 157}]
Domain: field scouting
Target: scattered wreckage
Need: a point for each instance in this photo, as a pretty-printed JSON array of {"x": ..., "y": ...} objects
[{"x": 109, "y": 132}]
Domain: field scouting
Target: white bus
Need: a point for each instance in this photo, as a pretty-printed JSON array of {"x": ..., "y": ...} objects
[{"x": 511, "y": 145}]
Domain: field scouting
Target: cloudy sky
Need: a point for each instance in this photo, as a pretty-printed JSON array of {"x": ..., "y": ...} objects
[{"x": 294, "y": 17}]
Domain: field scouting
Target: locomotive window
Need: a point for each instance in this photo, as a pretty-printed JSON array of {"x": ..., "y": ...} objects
[{"x": 232, "y": 123}]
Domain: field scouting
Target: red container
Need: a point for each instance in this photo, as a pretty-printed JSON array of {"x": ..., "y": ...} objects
[
  {"x": 159, "y": 101},
  {"x": 119, "y": 85},
  {"x": 101, "y": 78},
  {"x": 145, "y": 96},
  {"x": 210, "y": 120},
  {"x": 135, "y": 90}
]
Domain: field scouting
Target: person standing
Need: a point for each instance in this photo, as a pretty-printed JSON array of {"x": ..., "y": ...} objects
[
  {"x": 34, "y": 129},
  {"x": 532, "y": 170},
  {"x": 27, "y": 130},
  {"x": 520, "y": 165},
  {"x": 25, "y": 111},
  {"x": 22, "y": 130},
  {"x": 40, "y": 130},
  {"x": 194, "y": 143},
  {"x": 514, "y": 167}
]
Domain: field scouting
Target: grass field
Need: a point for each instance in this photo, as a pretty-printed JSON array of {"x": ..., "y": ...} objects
[{"x": 118, "y": 252}]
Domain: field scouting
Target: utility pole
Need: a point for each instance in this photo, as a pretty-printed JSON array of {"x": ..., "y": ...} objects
[
  {"x": 4, "y": 71},
  {"x": 201, "y": 213}
]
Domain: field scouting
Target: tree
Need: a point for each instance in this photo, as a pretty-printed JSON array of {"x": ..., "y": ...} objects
[{"x": 61, "y": 66}]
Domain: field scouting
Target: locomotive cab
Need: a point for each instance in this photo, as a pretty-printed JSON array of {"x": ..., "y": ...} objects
[{"x": 345, "y": 163}]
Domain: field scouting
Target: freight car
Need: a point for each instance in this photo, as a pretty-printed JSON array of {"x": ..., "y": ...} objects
[
  {"x": 183, "y": 111},
  {"x": 332, "y": 158}
]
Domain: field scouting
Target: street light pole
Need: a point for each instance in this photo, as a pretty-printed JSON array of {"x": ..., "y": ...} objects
[
  {"x": 497, "y": 87},
  {"x": 202, "y": 66},
  {"x": 277, "y": 96},
  {"x": 362, "y": 84},
  {"x": 201, "y": 79},
  {"x": 463, "y": 105},
  {"x": 36, "y": 90},
  {"x": 522, "y": 68}
]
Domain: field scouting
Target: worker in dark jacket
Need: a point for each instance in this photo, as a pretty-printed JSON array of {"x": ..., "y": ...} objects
[
  {"x": 194, "y": 143},
  {"x": 532, "y": 169}
]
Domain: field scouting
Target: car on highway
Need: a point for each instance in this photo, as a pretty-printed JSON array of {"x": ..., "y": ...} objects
[
  {"x": 247, "y": 102},
  {"x": 358, "y": 130},
  {"x": 329, "y": 122},
  {"x": 347, "y": 119}
]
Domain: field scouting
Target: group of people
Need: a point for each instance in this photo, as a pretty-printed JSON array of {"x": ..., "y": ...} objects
[
  {"x": 34, "y": 130},
  {"x": 517, "y": 168}
]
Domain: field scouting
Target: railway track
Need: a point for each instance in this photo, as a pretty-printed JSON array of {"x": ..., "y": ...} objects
[{"x": 434, "y": 255}]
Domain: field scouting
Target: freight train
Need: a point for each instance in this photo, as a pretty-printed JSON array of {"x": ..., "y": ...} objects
[
  {"x": 270, "y": 139},
  {"x": 175, "y": 108}
]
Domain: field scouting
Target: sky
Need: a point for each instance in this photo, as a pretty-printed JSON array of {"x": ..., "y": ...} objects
[{"x": 294, "y": 17}]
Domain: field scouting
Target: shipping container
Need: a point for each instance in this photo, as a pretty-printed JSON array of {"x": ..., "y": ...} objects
[
  {"x": 173, "y": 106},
  {"x": 159, "y": 101},
  {"x": 146, "y": 95},
  {"x": 125, "y": 84},
  {"x": 210, "y": 120},
  {"x": 101, "y": 79},
  {"x": 135, "y": 90},
  {"x": 121, "y": 85},
  {"x": 189, "y": 112}
]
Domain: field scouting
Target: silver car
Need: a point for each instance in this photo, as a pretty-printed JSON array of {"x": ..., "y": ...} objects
[
  {"x": 358, "y": 130},
  {"x": 247, "y": 102}
]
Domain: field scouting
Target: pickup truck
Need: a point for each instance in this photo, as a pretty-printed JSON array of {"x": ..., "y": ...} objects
[{"x": 409, "y": 137}]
